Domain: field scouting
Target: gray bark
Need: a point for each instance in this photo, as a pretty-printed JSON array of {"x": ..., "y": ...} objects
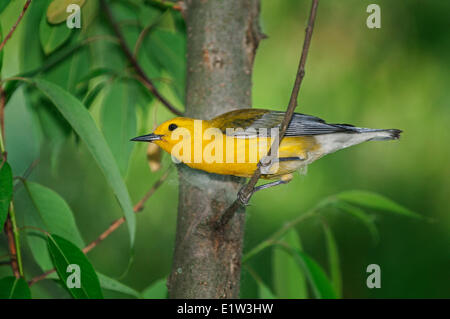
[{"x": 222, "y": 39}]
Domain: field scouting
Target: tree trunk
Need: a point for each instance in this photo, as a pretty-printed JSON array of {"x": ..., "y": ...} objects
[{"x": 222, "y": 37}]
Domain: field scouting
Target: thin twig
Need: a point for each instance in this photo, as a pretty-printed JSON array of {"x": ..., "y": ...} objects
[
  {"x": 178, "y": 6},
  {"x": 247, "y": 191},
  {"x": 25, "y": 7},
  {"x": 114, "y": 226},
  {"x": 12, "y": 247},
  {"x": 140, "y": 72},
  {"x": 11, "y": 230},
  {"x": 2, "y": 110}
]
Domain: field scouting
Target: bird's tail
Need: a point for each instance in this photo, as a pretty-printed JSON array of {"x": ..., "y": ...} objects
[{"x": 378, "y": 134}]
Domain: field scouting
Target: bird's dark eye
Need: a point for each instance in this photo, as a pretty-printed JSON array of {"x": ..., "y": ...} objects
[{"x": 172, "y": 127}]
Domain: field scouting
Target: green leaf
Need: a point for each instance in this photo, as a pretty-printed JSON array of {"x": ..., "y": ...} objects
[
  {"x": 54, "y": 127},
  {"x": 358, "y": 213},
  {"x": 289, "y": 280},
  {"x": 168, "y": 49},
  {"x": 118, "y": 119},
  {"x": 157, "y": 290},
  {"x": 83, "y": 124},
  {"x": 63, "y": 254},
  {"x": 52, "y": 36},
  {"x": 264, "y": 291},
  {"x": 14, "y": 288},
  {"x": 6, "y": 191},
  {"x": 375, "y": 201},
  {"x": 3, "y": 5},
  {"x": 115, "y": 285},
  {"x": 321, "y": 285},
  {"x": 89, "y": 98},
  {"x": 333, "y": 260},
  {"x": 89, "y": 12},
  {"x": 19, "y": 115},
  {"x": 56, "y": 11},
  {"x": 53, "y": 215}
]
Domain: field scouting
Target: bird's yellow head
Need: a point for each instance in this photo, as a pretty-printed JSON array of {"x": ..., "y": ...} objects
[{"x": 170, "y": 133}]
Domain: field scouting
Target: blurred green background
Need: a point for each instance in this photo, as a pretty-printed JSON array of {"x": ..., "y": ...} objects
[{"x": 394, "y": 77}]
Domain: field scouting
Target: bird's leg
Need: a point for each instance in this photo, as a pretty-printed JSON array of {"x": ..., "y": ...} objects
[
  {"x": 244, "y": 199},
  {"x": 268, "y": 185},
  {"x": 284, "y": 180}
]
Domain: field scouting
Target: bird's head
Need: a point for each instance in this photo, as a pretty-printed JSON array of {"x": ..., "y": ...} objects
[{"x": 171, "y": 132}]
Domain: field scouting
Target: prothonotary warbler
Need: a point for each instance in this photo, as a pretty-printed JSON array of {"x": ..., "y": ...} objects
[{"x": 233, "y": 143}]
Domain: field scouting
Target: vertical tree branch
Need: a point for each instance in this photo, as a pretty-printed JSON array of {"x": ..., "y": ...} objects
[{"x": 222, "y": 37}]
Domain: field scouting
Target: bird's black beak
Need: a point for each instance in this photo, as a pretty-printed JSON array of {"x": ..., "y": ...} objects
[{"x": 147, "y": 138}]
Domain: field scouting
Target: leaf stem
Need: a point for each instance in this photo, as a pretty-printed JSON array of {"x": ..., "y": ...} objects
[{"x": 273, "y": 239}]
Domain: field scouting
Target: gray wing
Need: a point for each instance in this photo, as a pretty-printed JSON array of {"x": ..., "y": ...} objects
[{"x": 300, "y": 125}]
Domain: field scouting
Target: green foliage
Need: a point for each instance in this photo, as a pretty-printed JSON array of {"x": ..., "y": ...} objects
[
  {"x": 57, "y": 13},
  {"x": 115, "y": 285},
  {"x": 333, "y": 260},
  {"x": 14, "y": 288},
  {"x": 375, "y": 201},
  {"x": 83, "y": 124},
  {"x": 3, "y": 5},
  {"x": 51, "y": 213},
  {"x": 6, "y": 191},
  {"x": 157, "y": 290},
  {"x": 63, "y": 254},
  {"x": 321, "y": 285},
  {"x": 288, "y": 278},
  {"x": 362, "y": 216},
  {"x": 52, "y": 36},
  {"x": 118, "y": 119},
  {"x": 166, "y": 47},
  {"x": 264, "y": 291},
  {"x": 21, "y": 129}
]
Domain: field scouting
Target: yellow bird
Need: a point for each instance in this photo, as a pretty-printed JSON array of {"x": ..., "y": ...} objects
[{"x": 233, "y": 143}]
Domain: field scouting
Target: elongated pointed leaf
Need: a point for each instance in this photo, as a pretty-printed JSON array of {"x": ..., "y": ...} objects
[
  {"x": 63, "y": 254},
  {"x": 6, "y": 191},
  {"x": 52, "y": 36},
  {"x": 321, "y": 285},
  {"x": 14, "y": 288},
  {"x": 168, "y": 49},
  {"x": 57, "y": 10},
  {"x": 375, "y": 201},
  {"x": 115, "y": 285},
  {"x": 157, "y": 290},
  {"x": 358, "y": 213},
  {"x": 52, "y": 214},
  {"x": 288, "y": 279},
  {"x": 333, "y": 260},
  {"x": 264, "y": 292},
  {"x": 83, "y": 124},
  {"x": 108, "y": 283},
  {"x": 3, "y": 5},
  {"x": 118, "y": 120}
]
